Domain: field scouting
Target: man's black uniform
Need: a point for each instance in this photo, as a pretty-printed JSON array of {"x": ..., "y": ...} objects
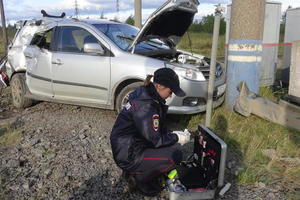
[{"x": 140, "y": 141}]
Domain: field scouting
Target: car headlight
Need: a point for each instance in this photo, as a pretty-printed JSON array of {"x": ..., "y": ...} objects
[
  {"x": 219, "y": 70},
  {"x": 189, "y": 74}
]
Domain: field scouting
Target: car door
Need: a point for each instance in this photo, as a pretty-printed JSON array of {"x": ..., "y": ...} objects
[
  {"x": 38, "y": 57},
  {"x": 79, "y": 76}
]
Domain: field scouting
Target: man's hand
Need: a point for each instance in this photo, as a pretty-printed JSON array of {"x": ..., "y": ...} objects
[{"x": 183, "y": 136}]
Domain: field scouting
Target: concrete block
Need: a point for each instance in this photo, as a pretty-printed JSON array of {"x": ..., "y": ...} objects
[{"x": 294, "y": 85}]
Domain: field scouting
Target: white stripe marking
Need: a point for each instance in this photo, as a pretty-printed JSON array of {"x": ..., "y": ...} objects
[
  {"x": 244, "y": 58},
  {"x": 245, "y": 47}
]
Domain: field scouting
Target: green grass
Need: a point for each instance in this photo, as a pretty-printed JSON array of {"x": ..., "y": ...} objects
[
  {"x": 201, "y": 43},
  {"x": 270, "y": 93},
  {"x": 294, "y": 196},
  {"x": 9, "y": 136},
  {"x": 1, "y": 46},
  {"x": 281, "y": 47},
  {"x": 249, "y": 136},
  {"x": 10, "y": 37}
]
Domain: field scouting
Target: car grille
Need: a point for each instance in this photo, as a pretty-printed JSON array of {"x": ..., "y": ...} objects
[
  {"x": 206, "y": 68},
  {"x": 205, "y": 71}
]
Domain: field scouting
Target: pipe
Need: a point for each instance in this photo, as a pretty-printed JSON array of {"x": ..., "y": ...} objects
[
  {"x": 212, "y": 70},
  {"x": 138, "y": 13}
]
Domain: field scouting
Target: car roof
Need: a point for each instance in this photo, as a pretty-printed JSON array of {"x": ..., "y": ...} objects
[
  {"x": 99, "y": 21},
  {"x": 50, "y": 20},
  {"x": 75, "y": 20}
]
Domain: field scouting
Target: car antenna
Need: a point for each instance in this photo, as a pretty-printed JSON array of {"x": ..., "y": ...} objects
[
  {"x": 190, "y": 42},
  {"x": 45, "y": 14}
]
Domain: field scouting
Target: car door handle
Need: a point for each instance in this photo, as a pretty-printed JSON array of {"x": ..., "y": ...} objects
[{"x": 57, "y": 62}]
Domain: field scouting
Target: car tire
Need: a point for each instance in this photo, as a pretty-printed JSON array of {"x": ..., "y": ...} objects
[
  {"x": 18, "y": 91},
  {"x": 122, "y": 98}
]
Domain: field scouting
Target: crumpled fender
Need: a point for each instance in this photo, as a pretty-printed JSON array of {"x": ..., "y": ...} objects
[
  {"x": 17, "y": 60},
  {"x": 4, "y": 80}
]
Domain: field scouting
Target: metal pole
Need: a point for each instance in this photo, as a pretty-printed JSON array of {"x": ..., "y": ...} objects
[
  {"x": 212, "y": 70},
  {"x": 5, "y": 39},
  {"x": 244, "y": 47},
  {"x": 138, "y": 13}
]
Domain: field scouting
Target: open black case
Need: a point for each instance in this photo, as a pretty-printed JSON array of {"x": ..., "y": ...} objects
[{"x": 203, "y": 172}]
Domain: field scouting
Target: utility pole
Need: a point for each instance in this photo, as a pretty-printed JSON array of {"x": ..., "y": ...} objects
[
  {"x": 76, "y": 9},
  {"x": 138, "y": 13},
  {"x": 118, "y": 9},
  {"x": 5, "y": 39},
  {"x": 212, "y": 71},
  {"x": 118, "y": 6},
  {"x": 245, "y": 47}
]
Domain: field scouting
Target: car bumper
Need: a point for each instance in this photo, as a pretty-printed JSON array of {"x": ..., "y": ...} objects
[
  {"x": 194, "y": 109},
  {"x": 196, "y": 90}
]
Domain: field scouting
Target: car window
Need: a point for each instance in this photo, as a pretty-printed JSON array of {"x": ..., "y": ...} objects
[
  {"x": 121, "y": 34},
  {"x": 72, "y": 39},
  {"x": 42, "y": 40}
]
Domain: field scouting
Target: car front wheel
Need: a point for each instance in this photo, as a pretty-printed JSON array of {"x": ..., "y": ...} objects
[
  {"x": 18, "y": 90},
  {"x": 123, "y": 97}
]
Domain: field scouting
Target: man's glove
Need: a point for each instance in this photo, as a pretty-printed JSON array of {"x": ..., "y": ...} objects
[{"x": 183, "y": 136}]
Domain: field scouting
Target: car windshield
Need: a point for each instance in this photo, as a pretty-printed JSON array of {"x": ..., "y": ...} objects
[{"x": 121, "y": 34}]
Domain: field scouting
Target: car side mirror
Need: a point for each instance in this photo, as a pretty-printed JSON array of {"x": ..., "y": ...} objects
[{"x": 93, "y": 48}]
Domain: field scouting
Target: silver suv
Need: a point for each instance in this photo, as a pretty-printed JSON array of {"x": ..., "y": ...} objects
[{"x": 100, "y": 62}]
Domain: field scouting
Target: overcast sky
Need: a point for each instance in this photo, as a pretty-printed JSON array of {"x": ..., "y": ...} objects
[{"x": 27, "y": 9}]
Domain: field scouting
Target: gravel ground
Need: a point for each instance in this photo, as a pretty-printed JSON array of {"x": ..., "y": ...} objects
[{"x": 64, "y": 153}]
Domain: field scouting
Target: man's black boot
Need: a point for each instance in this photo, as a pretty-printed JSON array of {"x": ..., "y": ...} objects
[
  {"x": 129, "y": 178},
  {"x": 151, "y": 189}
]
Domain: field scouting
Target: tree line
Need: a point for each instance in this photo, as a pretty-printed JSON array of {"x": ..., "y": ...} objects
[{"x": 11, "y": 29}]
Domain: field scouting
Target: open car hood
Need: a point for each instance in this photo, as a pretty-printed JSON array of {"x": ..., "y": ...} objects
[{"x": 169, "y": 22}]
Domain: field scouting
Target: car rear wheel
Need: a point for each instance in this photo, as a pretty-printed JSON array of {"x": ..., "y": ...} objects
[
  {"x": 18, "y": 90},
  {"x": 123, "y": 97}
]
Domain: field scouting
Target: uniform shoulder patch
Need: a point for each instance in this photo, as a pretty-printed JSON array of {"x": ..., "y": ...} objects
[{"x": 155, "y": 122}]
